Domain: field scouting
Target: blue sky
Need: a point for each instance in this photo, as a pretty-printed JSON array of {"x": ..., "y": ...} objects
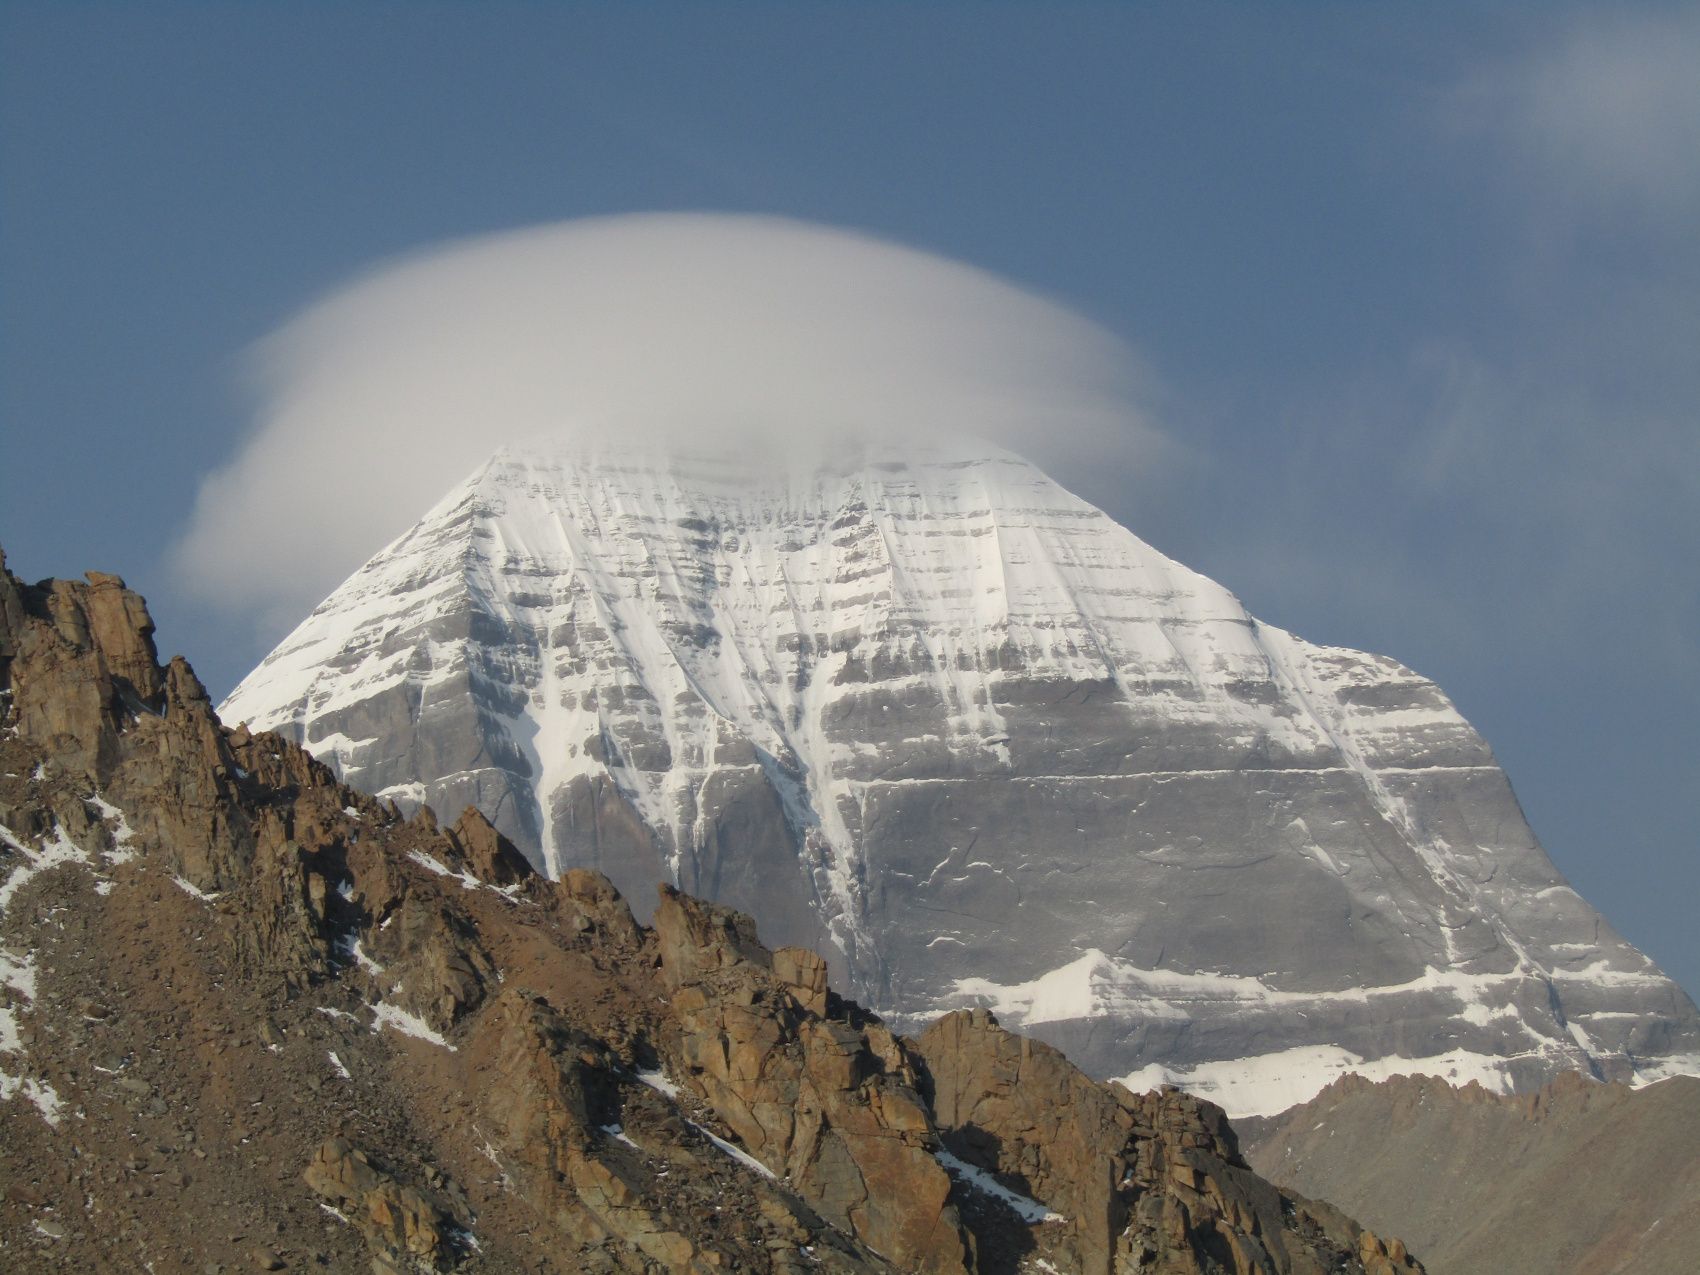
[{"x": 1415, "y": 291}]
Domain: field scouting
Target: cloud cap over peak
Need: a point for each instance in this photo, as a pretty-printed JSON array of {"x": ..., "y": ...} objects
[{"x": 755, "y": 333}]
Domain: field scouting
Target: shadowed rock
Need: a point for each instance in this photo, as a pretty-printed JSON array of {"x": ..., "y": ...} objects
[{"x": 1146, "y": 1181}]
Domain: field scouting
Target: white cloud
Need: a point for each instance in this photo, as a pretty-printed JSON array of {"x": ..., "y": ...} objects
[
  {"x": 1606, "y": 117},
  {"x": 734, "y": 331}
]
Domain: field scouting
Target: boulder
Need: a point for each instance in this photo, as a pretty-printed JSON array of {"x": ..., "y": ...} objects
[
  {"x": 486, "y": 853},
  {"x": 402, "y": 1225}
]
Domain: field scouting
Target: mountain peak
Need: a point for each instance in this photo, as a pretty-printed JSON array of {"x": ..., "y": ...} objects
[{"x": 901, "y": 703}]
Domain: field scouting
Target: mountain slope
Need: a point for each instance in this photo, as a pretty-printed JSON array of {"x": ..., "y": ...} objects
[
  {"x": 251, "y": 1018},
  {"x": 905, "y": 706},
  {"x": 1577, "y": 1179}
]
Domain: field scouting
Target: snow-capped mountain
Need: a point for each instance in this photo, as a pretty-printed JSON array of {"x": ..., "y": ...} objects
[{"x": 932, "y": 714}]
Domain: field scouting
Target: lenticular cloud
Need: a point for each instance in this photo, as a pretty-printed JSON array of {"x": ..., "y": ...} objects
[{"x": 755, "y": 333}]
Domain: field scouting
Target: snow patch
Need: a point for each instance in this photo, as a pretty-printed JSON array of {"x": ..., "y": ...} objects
[
  {"x": 351, "y": 948},
  {"x": 1267, "y": 1084},
  {"x": 398, "y": 1019},
  {"x": 660, "y": 1082},
  {"x": 122, "y": 833},
  {"x": 1652, "y": 1071},
  {"x": 466, "y": 879},
  {"x": 1096, "y": 985},
  {"x": 18, "y": 973},
  {"x": 738, "y": 1153},
  {"x": 1026, "y": 1207},
  {"x": 10, "y": 1041},
  {"x": 39, "y": 1092},
  {"x": 189, "y": 887},
  {"x": 55, "y": 852},
  {"x": 619, "y": 1134}
]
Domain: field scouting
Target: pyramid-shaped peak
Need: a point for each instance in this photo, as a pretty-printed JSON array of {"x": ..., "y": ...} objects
[{"x": 904, "y": 702}]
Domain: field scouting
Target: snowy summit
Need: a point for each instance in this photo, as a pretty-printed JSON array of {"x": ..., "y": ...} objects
[{"x": 929, "y": 712}]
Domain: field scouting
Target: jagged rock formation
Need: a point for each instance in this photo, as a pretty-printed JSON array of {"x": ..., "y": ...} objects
[
  {"x": 896, "y": 707},
  {"x": 1142, "y": 1176},
  {"x": 1577, "y": 1178},
  {"x": 254, "y": 1018},
  {"x": 403, "y": 1226},
  {"x": 830, "y": 1104}
]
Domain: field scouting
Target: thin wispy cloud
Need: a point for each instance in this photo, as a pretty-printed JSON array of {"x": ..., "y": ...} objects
[
  {"x": 763, "y": 335},
  {"x": 1546, "y": 451},
  {"x": 1605, "y": 117}
]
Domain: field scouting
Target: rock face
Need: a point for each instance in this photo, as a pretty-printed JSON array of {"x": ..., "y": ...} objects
[
  {"x": 1580, "y": 1177},
  {"x": 898, "y": 707},
  {"x": 830, "y": 1105},
  {"x": 402, "y": 1225},
  {"x": 1151, "y": 1182},
  {"x": 251, "y": 1018}
]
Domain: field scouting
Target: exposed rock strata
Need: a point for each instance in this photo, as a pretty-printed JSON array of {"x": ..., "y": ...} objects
[{"x": 254, "y": 1018}]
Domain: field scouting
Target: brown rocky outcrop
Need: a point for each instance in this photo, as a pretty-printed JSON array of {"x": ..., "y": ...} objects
[
  {"x": 554, "y": 1090},
  {"x": 696, "y": 940},
  {"x": 579, "y": 1139},
  {"x": 592, "y": 907},
  {"x": 85, "y": 684},
  {"x": 84, "y": 668},
  {"x": 235, "y": 988},
  {"x": 430, "y": 947},
  {"x": 283, "y": 927},
  {"x": 1146, "y": 1181},
  {"x": 829, "y": 1104},
  {"x": 405, "y": 1227},
  {"x": 486, "y": 853},
  {"x": 803, "y": 974}
]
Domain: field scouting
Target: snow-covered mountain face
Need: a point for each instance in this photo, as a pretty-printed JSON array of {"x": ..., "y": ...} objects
[{"x": 941, "y": 719}]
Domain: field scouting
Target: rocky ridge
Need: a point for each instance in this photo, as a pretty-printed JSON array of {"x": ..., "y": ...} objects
[{"x": 254, "y": 1018}]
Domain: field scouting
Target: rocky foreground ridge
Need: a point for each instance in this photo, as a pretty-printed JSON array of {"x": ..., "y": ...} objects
[{"x": 253, "y": 1018}]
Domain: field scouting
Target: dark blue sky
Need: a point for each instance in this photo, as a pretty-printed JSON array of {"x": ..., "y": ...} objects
[{"x": 1420, "y": 286}]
